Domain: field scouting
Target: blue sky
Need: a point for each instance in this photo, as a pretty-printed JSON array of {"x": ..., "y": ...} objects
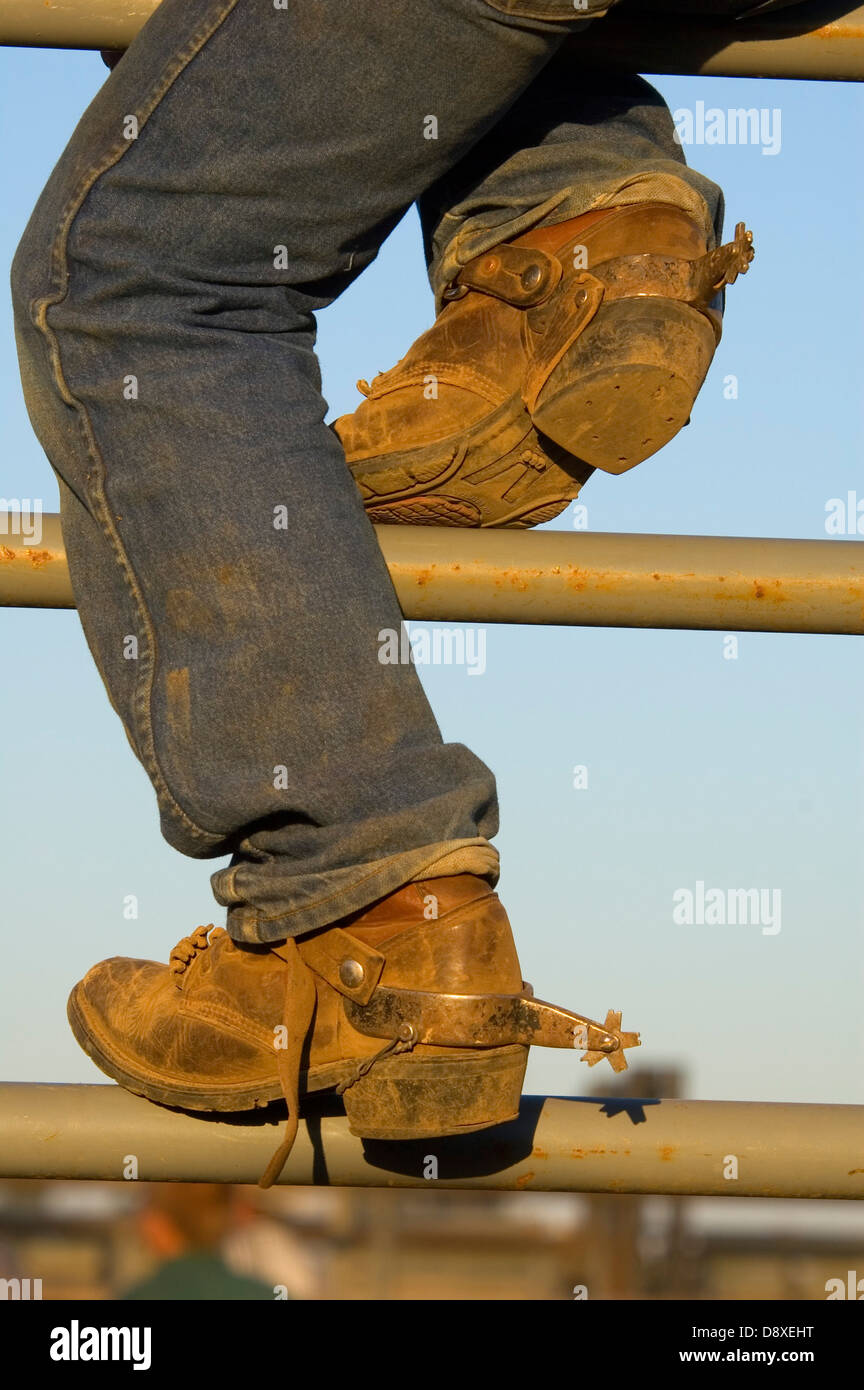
[{"x": 742, "y": 773}]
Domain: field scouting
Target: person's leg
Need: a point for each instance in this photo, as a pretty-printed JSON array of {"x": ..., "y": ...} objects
[
  {"x": 241, "y": 165},
  {"x": 579, "y": 185}
]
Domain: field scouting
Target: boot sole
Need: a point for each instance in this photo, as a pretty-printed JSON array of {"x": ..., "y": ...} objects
[
  {"x": 401, "y": 1098},
  {"x": 499, "y": 473},
  {"x": 627, "y": 385},
  {"x": 622, "y": 391}
]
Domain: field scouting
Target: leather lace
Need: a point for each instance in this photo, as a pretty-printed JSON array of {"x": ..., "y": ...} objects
[
  {"x": 186, "y": 950},
  {"x": 298, "y": 1012}
]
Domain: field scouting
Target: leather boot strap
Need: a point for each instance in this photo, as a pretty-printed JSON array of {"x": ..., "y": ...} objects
[
  {"x": 526, "y": 277},
  {"x": 518, "y": 275},
  {"x": 349, "y": 966},
  {"x": 298, "y": 1013}
]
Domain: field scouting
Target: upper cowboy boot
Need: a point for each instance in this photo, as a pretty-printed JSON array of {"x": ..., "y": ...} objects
[
  {"x": 421, "y": 1022},
  {"x": 577, "y": 346}
]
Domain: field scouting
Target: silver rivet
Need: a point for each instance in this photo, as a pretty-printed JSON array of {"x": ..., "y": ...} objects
[
  {"x": 531, "y": 277},
  {"x": 352, "y": 974}
]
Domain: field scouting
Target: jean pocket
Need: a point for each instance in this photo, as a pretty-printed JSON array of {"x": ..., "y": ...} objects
[{"x": 562, "y": 10}]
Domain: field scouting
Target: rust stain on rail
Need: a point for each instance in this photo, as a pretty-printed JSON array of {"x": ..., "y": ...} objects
[
  {"x": 770, "y": 589},
  {"x": 838, "y": 30},
  {"x": 37, "y": 558},
  {"x": 740, "y": 588}
]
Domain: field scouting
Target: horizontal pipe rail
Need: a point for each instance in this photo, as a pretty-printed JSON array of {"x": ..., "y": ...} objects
[
  {"x": 585, "y": 1144},
  {"x": 818, "y": 40},
  {"x": 582, "y": 579}
]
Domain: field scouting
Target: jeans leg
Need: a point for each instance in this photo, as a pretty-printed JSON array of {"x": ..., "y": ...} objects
[
  {"x": 572, "y": 142},
  {"x": 240, "y": 166}
]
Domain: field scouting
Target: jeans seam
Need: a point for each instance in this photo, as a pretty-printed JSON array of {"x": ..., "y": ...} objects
[{"x": 96, "y": 477}]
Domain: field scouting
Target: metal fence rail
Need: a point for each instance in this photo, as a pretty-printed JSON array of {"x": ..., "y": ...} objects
[
  {"x": 818, "y": 40},
  {"x": 581, "y": 579},
  {"x": 585, "y": 1144}
]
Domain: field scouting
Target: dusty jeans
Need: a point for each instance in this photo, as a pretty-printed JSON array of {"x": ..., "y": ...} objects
[{"x": 241, "y": 165}]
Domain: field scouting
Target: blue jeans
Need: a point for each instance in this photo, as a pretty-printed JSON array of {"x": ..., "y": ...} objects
[{"x": 238, "y": 169}]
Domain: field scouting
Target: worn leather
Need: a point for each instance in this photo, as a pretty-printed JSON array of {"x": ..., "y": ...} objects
[
  {"x": 446, "y": 435},
  {"x": 201, "y": 1031}
]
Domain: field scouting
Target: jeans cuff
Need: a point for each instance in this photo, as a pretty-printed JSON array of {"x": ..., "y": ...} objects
[
  {"x": 478, "y": 234},
  {"x": 268, "y": 902}
]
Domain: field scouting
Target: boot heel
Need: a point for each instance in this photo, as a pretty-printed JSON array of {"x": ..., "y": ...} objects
[
  {"x": 628, "y": 383},
  {"x": 405, "y": 1098}
]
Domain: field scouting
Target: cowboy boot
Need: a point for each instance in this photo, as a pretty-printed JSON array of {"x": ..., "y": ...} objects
[
  {"x": 421, "y": 1022},
  {"x": 577, "y": 346}
]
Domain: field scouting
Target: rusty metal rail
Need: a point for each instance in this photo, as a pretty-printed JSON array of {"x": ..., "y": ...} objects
[
  {"x": 585, "y": 1144},
  {"x": 580, "y": 579},
  {"x": 817, "y": 40}
]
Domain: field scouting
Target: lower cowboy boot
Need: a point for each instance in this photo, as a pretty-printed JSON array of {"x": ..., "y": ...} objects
[
  {"x": 414, "y": 1010},
  {"x": 577, "y": 346}
]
